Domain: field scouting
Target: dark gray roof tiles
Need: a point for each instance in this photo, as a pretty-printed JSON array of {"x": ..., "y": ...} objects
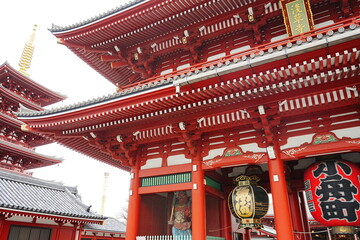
[
  {"x": 109, "y": 225},
  {"x": 26, "y": 193},
  {"x": 97, "y": 100},
  {"x": 54, "y": 28}
]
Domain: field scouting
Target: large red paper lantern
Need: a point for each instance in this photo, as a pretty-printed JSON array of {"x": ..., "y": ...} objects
[{"x": 333, "y": 192}]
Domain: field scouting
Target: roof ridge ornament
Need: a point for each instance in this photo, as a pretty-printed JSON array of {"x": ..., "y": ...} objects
[{"x": 27, "y": 54}]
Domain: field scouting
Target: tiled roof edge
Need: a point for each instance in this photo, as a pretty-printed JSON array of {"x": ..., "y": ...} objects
[
  {"x": 55, "y": 28},
  {"x": 97, "y": 100},
  {"x": 34, "y": 181}
]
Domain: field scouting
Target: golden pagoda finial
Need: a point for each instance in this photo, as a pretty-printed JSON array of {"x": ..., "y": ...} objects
[{"x": 26, "y": 56}]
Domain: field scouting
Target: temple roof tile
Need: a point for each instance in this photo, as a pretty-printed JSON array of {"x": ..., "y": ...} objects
[
  {"x": 55, "y": 28},
  {"x": 42, "y": 197}
]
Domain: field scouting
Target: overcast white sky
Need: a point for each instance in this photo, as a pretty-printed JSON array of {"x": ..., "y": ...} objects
[{"x": 57, "y": 68}]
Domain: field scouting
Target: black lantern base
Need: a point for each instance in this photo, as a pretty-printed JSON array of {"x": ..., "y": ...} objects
[{"x": 250, "y": 223}]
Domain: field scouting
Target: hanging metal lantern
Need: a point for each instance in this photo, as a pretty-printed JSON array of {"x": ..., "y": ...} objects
[
  {"x": 333, "y": 195},
  {"x": 248, "y": 202}
]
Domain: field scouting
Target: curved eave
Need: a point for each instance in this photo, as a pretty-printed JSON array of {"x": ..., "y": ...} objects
[
  {"x": 148, "y": 18},
  {"x": 53, "y": 97},
  {"x": 53, "y": 216},
  {"x": 10, "y": 121},
  {"x": 82, "y": 146},
  {"x": 229, "y": 68},
  {"x": 93, "y": 59},
  {"x": 147, "y": 25},
  {"x": 28, "y": 154},
  {"x": 92, "y": 110},
  {"x": 18, "y": 99},
  {"x": 7, "y": 119},
  {"x": 127, "y": 9}
]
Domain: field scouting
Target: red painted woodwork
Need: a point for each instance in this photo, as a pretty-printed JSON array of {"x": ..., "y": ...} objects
[
  {"x": 21, "y": 89},
  {"x": 132, "y": 226},
  {"x": 296, "y": 215},
  {"x": 56, "y": 232},
  {"x": 268, "y": 24},
  {"x": 276, "y": 90},
  {"x": 283, "y": 223},
  {"x": 214, "y": 224},
  {"x": 198, "y": 199},
  {"x": 154, "y": 215},
  {"x": 165, "y": 188},
  {"x": 304, "y": 216},
  {"x": 65, "y": 233},
  {"x": 165, "y": 170}
]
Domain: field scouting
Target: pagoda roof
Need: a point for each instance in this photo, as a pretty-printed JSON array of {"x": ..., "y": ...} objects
[
  {"x": 26, "y": 195},
  {"x": 35, "y": 160},
  {"x": 144, "y": 23},
  {"x": 49, "y": 96},
  {"x": 264, "y": 56},
  {"x": 55, "y": 28},
  {"x": 11, "y": 121},
  {"x": 293, "y": 75}
]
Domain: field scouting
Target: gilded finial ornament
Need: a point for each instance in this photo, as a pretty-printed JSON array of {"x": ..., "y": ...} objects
[{"x": 27, "y": 54}]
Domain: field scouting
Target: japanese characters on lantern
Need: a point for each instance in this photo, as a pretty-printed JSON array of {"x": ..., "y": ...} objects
[
  {"x": 248, "y": 202},
  {"x": 333, "y": 192}
]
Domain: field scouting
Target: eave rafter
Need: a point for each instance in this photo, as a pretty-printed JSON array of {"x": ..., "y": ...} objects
[
  {"x": 174, "y": 36},
  {"x": 334, "y": 71},
  {"x": 342, "y": 98}
]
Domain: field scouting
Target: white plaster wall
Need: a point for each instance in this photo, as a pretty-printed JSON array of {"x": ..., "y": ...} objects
[
  {"x": 20, "y": 219},
  {"x": 297, "y": 141},
  {"x": 177, "y": 160},
  {"x": 183, "y": 66},
  {"x": 220, "y": 55},
  {"x": 240, "y": 49},
  {"x": 152, "y": 163},
  {"x": 323, "y": 24},
  {"x": 46, "y": 221},
  {"x": 353, "y": 132},
  {"x": 167, "y": 71}
]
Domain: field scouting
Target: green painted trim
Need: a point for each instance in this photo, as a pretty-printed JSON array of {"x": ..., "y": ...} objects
[
  {"x": 166, "y": 179},
  {"x": 212, "y": 183},
  {"x": 214, "y": 238}
]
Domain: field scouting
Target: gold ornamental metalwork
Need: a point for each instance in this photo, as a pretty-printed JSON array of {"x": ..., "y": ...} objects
[
  {"x": 297, "y": 16},
  {"x": 248, "y": 202}
]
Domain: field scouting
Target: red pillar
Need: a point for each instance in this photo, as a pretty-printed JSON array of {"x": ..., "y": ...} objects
[
  {"x": 73, "y": 235},
  {"x": 226, "y": 215},
  {"x": 198, "y": 199},
  {"x": 132, "y": 225},
  {"x": 283, "y": 222},
  {"x": 59, "y": 230},
  {"x": 226, "y": 220},
  {"x": 80, "y": 231},
  {"x": 304, "y": 216},
  {"x": 296, "y": 214},
  {"x": 2, "y": 222},
  {"x": 247, "y": 235}
]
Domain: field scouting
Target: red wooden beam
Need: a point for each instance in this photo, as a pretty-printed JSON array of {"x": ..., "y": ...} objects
[
  {"x": 165, "y": 188},
  {"x": 119, "y": 64}
]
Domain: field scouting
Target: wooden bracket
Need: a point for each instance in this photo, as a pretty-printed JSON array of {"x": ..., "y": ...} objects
[{"x": 190, "y": 135}]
